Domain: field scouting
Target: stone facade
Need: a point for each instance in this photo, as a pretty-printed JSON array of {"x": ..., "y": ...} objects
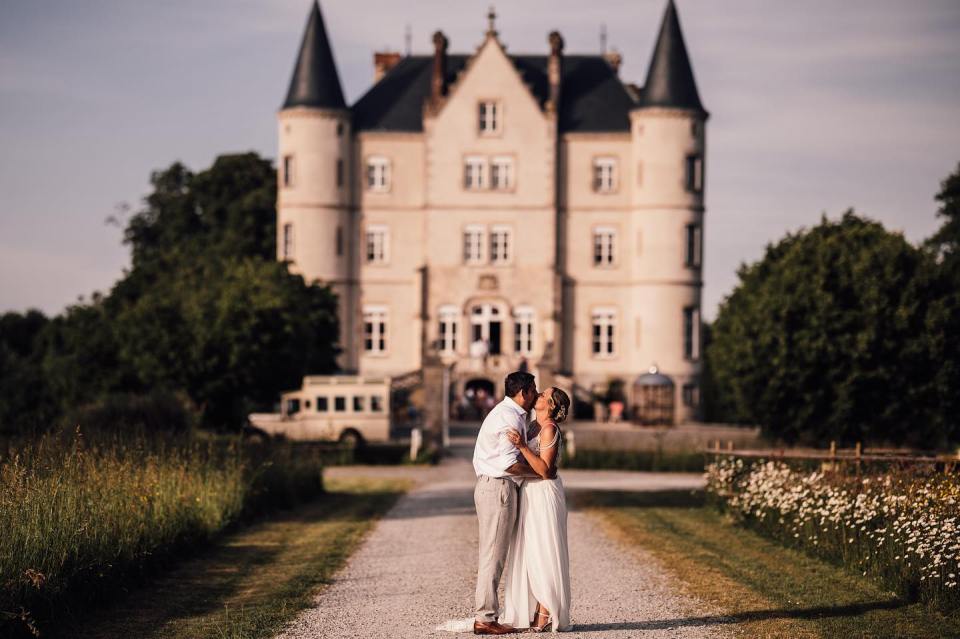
[{"x": 492, "y": 235}]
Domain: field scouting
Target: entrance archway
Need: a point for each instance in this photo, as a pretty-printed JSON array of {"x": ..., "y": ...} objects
[{"x": 479, "y": 396}]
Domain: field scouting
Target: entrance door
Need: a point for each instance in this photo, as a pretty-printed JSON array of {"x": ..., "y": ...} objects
[{"x": 485, "y": 327}]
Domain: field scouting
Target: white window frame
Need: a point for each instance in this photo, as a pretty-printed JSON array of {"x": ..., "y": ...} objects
[
  {"x": 474, "y": 173},
  {"x": 523, "y": 324},
  {"x": 489, "y": 117},
  {"x": 605, "y": 174},
  {"x": 448, "y": 322},
  {"x": 604, "y": 246},
  {"x": 287, "y": 245},
  {"x": 501, "y": 244},
  {"x": 603, "y": 343},
  {"x": 691, "y": 333},
  {"x": 375, "y": 330},
  {"x": 474, "y": 241},
  {"x": 693, "y": 245},
  {"x": 501, "y": 173},
  {"x": 377, "y": 244},
  {"x": 378, "y": 174}
]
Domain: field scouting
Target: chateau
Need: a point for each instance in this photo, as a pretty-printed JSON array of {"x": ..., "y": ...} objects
[{"x": 489, "y": 211}]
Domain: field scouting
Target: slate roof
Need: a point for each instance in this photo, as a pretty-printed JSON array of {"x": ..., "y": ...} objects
[
  {"x": 670, "y": 80},
  {"x": 315, "y": 82},
  {"x": 592, "y": 97}
]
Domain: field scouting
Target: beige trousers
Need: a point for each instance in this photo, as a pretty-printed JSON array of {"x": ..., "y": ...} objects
[{"x": 496, "y": 502}]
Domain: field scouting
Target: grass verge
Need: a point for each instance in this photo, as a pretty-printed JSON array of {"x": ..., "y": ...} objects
[
  {"x": 644, "y": 460},
  {"x": 252, "y": 582},
  {"x": 763, "y": 589}
]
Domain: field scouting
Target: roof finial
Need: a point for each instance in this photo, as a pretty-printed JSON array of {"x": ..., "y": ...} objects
[
  {"x": 603, "y": 39},
  {"x": 491, "y": 22}
]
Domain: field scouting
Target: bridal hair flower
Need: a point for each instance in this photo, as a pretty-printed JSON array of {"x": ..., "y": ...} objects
[{"x": 559, "y": 404}]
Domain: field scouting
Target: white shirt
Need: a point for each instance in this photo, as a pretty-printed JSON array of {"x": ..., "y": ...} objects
[{"x": 494, "y": 452}]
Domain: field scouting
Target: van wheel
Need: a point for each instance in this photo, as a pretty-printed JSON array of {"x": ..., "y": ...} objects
[{"x": 351, "y": 438}]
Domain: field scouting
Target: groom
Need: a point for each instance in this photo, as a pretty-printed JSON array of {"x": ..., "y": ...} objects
[{"x": 499, "y": 469}]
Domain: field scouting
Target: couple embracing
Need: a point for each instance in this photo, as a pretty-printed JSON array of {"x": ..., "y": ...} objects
[{"x": 522, "y": 510}]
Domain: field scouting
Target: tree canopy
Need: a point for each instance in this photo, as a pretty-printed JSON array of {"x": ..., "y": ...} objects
[
  {"x": 205, "y": 310},
  {"x": 844, "y": 332}
]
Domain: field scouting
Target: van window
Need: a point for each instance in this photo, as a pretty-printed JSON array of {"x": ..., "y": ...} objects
[
  {"x": 322, "y": 405},
  {"x": 376, "y": 403},
  {"x": 293, "y": 406},
  {"x": 339, "y": 404},
  {"x": 358, "y": 403}
]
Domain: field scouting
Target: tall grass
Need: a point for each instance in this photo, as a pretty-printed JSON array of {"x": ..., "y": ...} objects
[
  {"x": 901, "y": 527},
  {"x": 80, "y": 519}
]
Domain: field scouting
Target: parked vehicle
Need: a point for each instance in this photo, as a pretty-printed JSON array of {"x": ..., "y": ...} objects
[{"x": 347, "y": 408}]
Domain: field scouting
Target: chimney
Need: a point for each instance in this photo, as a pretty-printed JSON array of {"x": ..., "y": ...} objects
[
  {"x": 383, "y": 61},
  {"x": 614, "y": 59},
  {"x": 438, "y": 87},
  {"x": 555, "y": 69}
]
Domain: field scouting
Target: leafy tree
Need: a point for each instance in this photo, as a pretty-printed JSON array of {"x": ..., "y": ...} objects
[
  {"x": 946, "y": 241},
  {"x": 827, "y": 338},
  {"x": 25, "y": 398},
  {"x": 205, "y": 310}
]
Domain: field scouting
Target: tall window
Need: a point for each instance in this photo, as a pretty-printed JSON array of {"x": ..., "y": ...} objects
[
  {"x": 339, "y": 172},
  {"x": 288, "y": 170},
  {"x": 375, "y": 329},
  {"x": 693, "y": 245},
  {"x": 485, "y": 325},
  {"x": 378, "y": 174},
  {"x": 339, "y": 240},
  {"x": 501, "y": 173},
  {"x": 523, "y": 330},
  {"x": 287, "y": 241},
  {"x": 500, "y": 244},
  {"x": 604, "y": 323},
  {"x": 473, "y": 244},
  {"x": 694, "y": 174},
  {"x": 449, "y": 316},
  {"x": 474, "y": 173},
  {"x": 691, "y": 395},
  {"x": 604, "y": 175},
  {"x": 378, "y": 244},
  {"x": 489, "y": 118},
  {"x": 604, "y": 238},
  {"x": 691, "y": 333}
]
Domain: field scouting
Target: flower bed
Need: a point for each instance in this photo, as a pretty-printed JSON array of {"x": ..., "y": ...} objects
[{"x": 901, "y": 527}]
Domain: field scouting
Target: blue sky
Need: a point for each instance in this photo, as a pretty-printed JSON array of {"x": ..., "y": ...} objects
[{"x": 816, "y": 106}]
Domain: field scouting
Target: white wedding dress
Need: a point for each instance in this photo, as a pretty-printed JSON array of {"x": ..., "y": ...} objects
[{"x": 538, "y": 564}]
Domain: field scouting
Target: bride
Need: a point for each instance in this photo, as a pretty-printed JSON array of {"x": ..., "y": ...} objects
[{"x": 538, "y": 583}]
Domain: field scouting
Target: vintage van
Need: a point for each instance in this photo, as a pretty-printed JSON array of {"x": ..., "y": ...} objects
[{"x": 347, "y": 408}]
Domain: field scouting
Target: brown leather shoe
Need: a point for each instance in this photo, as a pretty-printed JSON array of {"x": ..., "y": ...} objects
[{"x": 492, "y": 628}]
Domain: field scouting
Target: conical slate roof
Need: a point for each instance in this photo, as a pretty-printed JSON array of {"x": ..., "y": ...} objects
[
  {"x": 315, "y": 82},
  {"x": 670, "y": 80}
]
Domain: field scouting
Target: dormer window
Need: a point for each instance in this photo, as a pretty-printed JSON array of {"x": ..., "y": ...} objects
[
  {"x": 489, "y": 117},
  {"x": 378, "y": 174},
  {"x": 605, "y": 175}
]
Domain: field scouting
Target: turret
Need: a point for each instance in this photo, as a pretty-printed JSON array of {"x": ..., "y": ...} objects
[
  {"x": 315, "y": 227},
  {"x": 668, "y": 131},
  {"x": 314, "y": 163}
]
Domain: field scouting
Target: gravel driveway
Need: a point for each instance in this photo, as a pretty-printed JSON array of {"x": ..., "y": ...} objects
[{"x": 418, "y": 567}]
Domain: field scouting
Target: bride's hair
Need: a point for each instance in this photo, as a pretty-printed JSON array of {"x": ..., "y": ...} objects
[{"x": 559, "y": 404}]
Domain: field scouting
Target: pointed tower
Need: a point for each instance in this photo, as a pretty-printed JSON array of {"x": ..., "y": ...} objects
[
  {"x": 315, "y": 227},
  {"x": 668, "y": 134}
]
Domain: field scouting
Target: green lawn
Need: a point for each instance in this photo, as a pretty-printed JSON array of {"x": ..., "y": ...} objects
[
  {"x": 255, "y": 580},
  {"x": 763, "y": 589}
]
